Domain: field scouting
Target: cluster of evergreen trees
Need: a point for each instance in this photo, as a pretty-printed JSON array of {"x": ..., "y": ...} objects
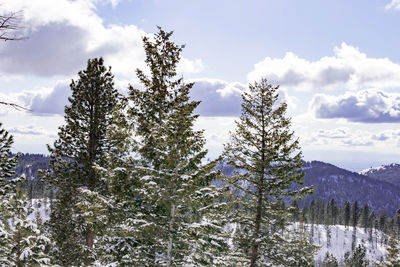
[
  {"x": 348, "y": 214},
  {"x": 133, "y": 187},
  {"x": 351, "y": 216}
]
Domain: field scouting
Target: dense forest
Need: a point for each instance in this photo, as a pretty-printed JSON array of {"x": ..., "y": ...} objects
[{"x": 128, "y": 184}]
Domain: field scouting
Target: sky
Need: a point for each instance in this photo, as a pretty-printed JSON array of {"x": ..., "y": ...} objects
[{"x": 337, "y": 64}]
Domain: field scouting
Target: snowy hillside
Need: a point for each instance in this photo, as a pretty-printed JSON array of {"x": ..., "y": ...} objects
[
  {"x": 341, "y": 242},
  {"x": 388, "y": 173}
]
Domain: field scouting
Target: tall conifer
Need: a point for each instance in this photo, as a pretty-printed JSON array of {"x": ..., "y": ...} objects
[
  {"x": 162, "y": 185},
  {"x": 81, "y": 143},
  {"x": 265, "y": 149}
]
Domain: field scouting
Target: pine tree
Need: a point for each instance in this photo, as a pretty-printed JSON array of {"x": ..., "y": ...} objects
[
  {"x": 296, "y": 211},
  {"x": 346, "y": 213},
  {"x": 175, "y": 218},
  {"x": 365, "y": 218},
  {"x": 355, "y": 214},
  {"x": 330, "y": 261},
  {"x": 263, "y": 147},
  {"x": 354, "y": 220},
  {"x": 80, "y": 145},
  {"x": 397, "y": 224},
  {"x": 333, "y": 211},
  {"x": 371, "y": 222},
  {"x": 383, "y": 226},
  {"x": 312, "y": 217},
  {"x": 358, "y": 258},
  {"x": 21, "y": 242},
  {"x": 392, "y": 258},
  {"x": 7, "y": 165}
]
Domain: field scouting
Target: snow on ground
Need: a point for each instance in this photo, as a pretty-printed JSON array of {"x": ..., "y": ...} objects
[
  {"x": 41, "y": 208},
  {"x": 379, "y": 168},
  {"x": 341, "y": 241}
]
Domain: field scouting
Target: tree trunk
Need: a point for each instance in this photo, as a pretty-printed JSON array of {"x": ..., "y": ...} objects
[
  {"x": 171, "y": 225},
  {"x": 170, "y": 228},
  {"x": 18, "y": 261},
  {"x": 254, "y": 248},
  {"x": 89, "y": 238}
]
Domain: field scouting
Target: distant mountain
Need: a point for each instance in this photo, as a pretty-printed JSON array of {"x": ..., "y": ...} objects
[
  {"x": 342, "y": 185},
  {"x": 377, "y": 187},
  {"x": 330, "y": 181},
  {"x": 388, "y": 173}
]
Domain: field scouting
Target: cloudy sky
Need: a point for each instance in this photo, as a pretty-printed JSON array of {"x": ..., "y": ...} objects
[{"x": 337, "y": 64}]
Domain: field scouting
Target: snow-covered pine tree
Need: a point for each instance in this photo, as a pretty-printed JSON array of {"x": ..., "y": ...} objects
[
  {"x": 174, "y": 213},
  {"x": 358, "y": 258},
  {"x": 330, "y": 261},
  {"x": 81, "y": 143},
  {"x": 264, "y": 148},
  {"x": 21, "y": 242},
  {"x": 30, "y": 245},
  {"x": 7, "y": 165},
  {"x": 392, "y": 258}
]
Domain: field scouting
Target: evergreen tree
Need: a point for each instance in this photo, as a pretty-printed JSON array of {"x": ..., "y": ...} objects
[
  {"x": 312, "y": 217},
  {"x": 29, "y": 244},
  {"x": 358, "y": 258},
  {"x": 330, "y": 261},
  {"x": 365, "y": 218},
  {"x": 295, "y": 211},
  {"x": 371, "y": 222},
  {"x": 333, "y": 211},
  {"x": 178, "y": 209},
  {"x": 397, "y": 224},
  {"x": 264, "y": 148},
  {"x": 392, "y": 258},
  {"x": 80, "y": 145},
  {"x": 382, "y": 221},
  {"x": 320, "y": 211},
  {"x": 21, "y": 242},
  {"x": 354, "y": 220},
  {"x": 346, "y": 213},
  {"x": 355, "y": 214}
]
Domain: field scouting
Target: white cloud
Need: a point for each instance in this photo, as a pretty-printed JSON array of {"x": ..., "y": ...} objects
[
  {"x": 222, "y": 98},
  {"x": 218, "y": 97},
  {"x": 42, "y": 101},
  {"x": 63, "y": 34},
  {"x": 395, "y": 4},
  {"x": 30, "y": 130},
  {"x": 339, "y": 137},
  {"x": 370, "y": 106},
  {"x": 334, "y": 133},
  {"x": 190, "y": 66},
  {"x": 49, "y": 101},
  {"x": 348, "y": 68}
]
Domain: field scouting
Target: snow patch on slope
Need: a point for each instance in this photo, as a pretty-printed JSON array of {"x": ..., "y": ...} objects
[
  {"x": 379, "y": 168},
  {"x": 341, "y": 242}
]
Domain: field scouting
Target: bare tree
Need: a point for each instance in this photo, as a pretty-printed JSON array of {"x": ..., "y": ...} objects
[{"x": 10, "y": 23}]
